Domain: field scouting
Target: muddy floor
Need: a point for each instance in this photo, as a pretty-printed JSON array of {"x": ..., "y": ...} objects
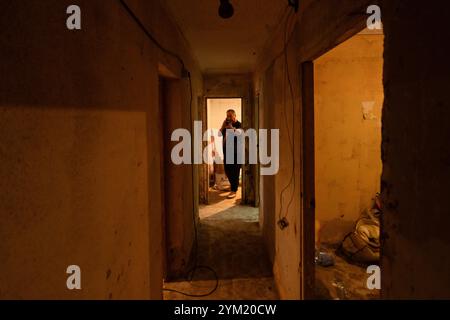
[
  {"x": 343, "y": 281},
  {"x": 230, "y": 242}
]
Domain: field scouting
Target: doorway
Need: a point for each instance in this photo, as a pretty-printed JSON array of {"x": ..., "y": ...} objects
[
  {"x": 217, "y": 180},
  {"x": 343, "y": 98}
]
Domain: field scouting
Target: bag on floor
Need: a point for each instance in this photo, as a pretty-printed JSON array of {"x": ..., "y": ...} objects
[
  {"x": 363, "y": 244},
  {"x": 356, "y": 249}
]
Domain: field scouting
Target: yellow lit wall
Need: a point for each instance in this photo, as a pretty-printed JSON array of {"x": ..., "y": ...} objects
[{"x": 348, "y": 103}]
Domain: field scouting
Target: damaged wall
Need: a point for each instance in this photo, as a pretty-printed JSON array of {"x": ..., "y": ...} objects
[
  {"x": 348, "y": 100},
  {"x": 415, "y": 139},
  {"x": 77, "y": 147},
  {"x": 321, "y": 28}
]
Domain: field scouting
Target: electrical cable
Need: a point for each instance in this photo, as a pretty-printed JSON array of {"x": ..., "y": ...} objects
[
  {"x": 283, "y": 17},
  {"x": 291, "y": 139},
  {"x": 291, "y": 90},
  {"x": 149, "y": 35},
  {"x": 196, "y": 266},
  {"x": 289, "y": 13}
]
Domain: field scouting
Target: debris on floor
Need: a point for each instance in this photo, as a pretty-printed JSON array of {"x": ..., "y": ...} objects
[
  {"x": 343, "y": 281},
  {"x": 324, "y": 259},
  {"x": 362, "y": 246},
  {"x": 343, "y": 276}
]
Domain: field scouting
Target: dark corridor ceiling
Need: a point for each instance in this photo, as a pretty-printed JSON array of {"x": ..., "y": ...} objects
[{"x": 231, "y": 45}]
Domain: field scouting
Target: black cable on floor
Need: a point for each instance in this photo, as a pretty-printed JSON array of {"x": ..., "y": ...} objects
[
  {"x": 199, "y": 295},
  {"x": 196, "y": 266}
]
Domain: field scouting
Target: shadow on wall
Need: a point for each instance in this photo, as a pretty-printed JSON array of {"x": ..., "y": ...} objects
[{"x": 64, "y": 202}]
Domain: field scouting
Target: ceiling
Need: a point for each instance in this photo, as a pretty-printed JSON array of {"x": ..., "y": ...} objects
[{"x": 227, "y": 46}]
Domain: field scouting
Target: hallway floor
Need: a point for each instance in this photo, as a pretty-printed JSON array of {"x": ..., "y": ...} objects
[{"x": 230, "y": 242}]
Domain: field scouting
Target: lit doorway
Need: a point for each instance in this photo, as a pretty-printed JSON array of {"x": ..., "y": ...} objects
[
  {"x": 217, "y": 180},
  {"x": 343, "y": 97}
]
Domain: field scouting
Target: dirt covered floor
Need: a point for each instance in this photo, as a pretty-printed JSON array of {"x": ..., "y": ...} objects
[
  {"x": 230, "y": 242},
  {"x": 343, "y": 281}
]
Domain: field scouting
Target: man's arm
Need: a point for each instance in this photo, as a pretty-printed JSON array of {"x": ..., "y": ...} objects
[{"x": 225, "y": 126}]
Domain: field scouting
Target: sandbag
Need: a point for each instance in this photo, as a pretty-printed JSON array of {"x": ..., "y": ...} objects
[
  {"x": 363, "y": 244},
  {"x": 356, "y": 249}
]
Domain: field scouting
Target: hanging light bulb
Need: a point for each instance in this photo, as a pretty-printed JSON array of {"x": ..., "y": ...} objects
[
  {"x": 226, "y": 9},
  {"x": 295, "y": 4}
]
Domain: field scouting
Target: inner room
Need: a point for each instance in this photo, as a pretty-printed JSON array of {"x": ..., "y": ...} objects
[{"x": 348, "y": 98}]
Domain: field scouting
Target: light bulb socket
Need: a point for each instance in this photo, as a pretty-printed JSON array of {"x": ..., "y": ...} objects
[
  {"x": 226, "y": 9},
  {"x": 295, "y": 4}
]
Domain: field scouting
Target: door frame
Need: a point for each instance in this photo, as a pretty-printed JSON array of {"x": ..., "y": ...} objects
[
  {"x": 308, "y": 177},
  {"x": 204, "y": 199}
]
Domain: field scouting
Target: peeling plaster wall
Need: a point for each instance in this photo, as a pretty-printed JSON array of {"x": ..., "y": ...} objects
[
  {"x": 80, "y": 164},
  {"x": 347, "y": 140}
]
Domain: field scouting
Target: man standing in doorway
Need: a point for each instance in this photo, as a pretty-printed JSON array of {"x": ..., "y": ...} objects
[{"x": 233, "y": 169}]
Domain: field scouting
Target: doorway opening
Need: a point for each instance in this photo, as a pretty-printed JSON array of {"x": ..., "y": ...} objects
[
  {"x": 230, "y": 240},
  {"x": 218, "y": 183},
  {"x": 347, "y": 103}
]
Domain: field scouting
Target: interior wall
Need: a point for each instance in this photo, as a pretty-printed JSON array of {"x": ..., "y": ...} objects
[
  {"x": 415, "y": 145},
  {"x": 416, "y": 151},
  {"x": 271, "y": 84},
  {"x": 348, "y": 101},
  {"x": 266, "y": 183},
  {"x": 80, "y": 170},
  {"x": 179, "y": 186},
  {"x": 280, "y": 111}
]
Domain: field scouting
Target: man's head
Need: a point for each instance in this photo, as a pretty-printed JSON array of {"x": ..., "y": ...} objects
[{"x": 231, "y": 115}]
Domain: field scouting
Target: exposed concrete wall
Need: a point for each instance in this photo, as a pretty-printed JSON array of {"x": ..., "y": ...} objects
[
  {"x": 80, "y": 170},
  {"x": 347, "y": 137},
  {"x": 416, "y": 151}
]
